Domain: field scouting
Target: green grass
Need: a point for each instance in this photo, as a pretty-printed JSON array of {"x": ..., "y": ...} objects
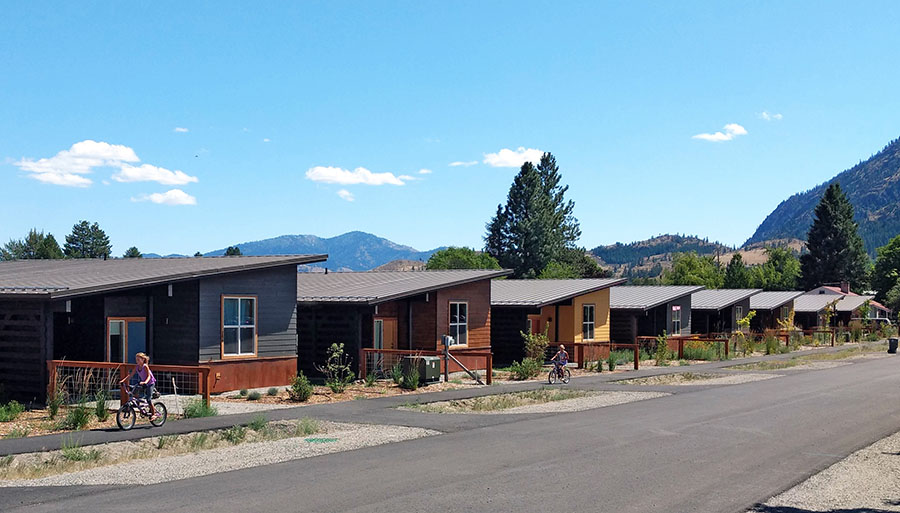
[
  {"x": 197, "y": 408},
  {"x": 11, "y": 411},
  {"x": 500, "y": 401},
  {"x": 258, "y": 423},
  {"x": 235, "y": 434},
  {"x": 199, "y": 441},
  {"x": 165, "y": 440},
  {"x": 18, "y": 432},
  {"x": 72, "y": 451},
  {"x": 307, "y": 426},
  {"x": 669, "y": 379},
  {"x": 6, "y": 461},
  {"x": 809, "y": 358},
  {"x": 77, "y": 418}
]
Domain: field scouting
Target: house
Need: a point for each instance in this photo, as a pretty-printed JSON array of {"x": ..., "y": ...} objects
[
  {"x": 408, "y": 310},
  {"x": 851, "y": 309},
  {"x": 771, "y": 307},
  {"x": 809, "y": 309},
  {"x": 718, "y": 310},
  {"x": 648, "y": 311},
  {"x": 236, "y": 315},
  {"x": 570, "y": 311}
]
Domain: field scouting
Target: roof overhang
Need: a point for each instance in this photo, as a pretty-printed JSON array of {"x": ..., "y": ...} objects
[{"x": 560, "y": 298}]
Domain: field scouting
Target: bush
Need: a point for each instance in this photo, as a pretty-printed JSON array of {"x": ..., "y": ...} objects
[
  {"x": 77, "y": 417},
  {"x": 370, "y": 379},
  {"x": 337, "y": 369},
  {"x": 235, "y": 434},
  {"x": 397, "y": 373},
  {"x": 856, "y": 331},
  {"x": 272, "y": 391},
  {"x": 536, "y": 344},
  {"x": 11, "y": 411},
  {"x": 662, "y": 350},
  {"x": 72, "y": 451},
  {"x": 195, "y": 408},
  {"x": 17, "y": 432},
  {"x": 258, "y": 423},
  {"x": 243, "y": 392},
  {"x": 771, "y": 345},
  {"x": 697, "y": 350},
  {"x": 56, "y": 399},
  {"x": 100, "y": 409},
  {"x": 199, "y": 441},
  {"x": 410, "y": 378},
  {"x": 254, "y": 396},
  {"x": 528, "y": 369},
  {"x": 301, "y": 389},
  {"x": 611, "y": 361},
  {"x": 307, "y": 426}
]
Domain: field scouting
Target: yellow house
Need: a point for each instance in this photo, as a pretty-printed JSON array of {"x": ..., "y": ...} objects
[{"x": 570, "y": 311}]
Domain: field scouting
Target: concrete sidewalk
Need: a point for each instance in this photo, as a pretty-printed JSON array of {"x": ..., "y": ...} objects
[{"x": 384, "y": 410}]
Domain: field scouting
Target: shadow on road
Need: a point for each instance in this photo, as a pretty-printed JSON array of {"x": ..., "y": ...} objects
[{"x": 761, "y": 508}]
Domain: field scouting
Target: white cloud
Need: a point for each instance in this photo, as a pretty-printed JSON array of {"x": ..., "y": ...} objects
[
  {"x": 267, "y": 140},
  {"x": 424, "y": 171},
  {"x": 345, "y": 195},
  {"x": 359, "y": 175},
  {"x": 181, "y": 130},
  {"x": 513, "y": 158},
  {"x": 66, "y": 167},
  {"x": 172, "y": 197},
  {"x": 770, "y": 117},
  {"x": 148, "y": 173},
  {"x": 408, "y": 178},
  {"x": 731, "y": 130},
  {"x": 460, "y": 163}
]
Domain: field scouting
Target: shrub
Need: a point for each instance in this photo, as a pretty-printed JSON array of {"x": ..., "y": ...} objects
[
  {"x": 410, "y": 378},
  {"x": 337, "y": 369},
  {"x": 199, "y": 441},
  {"x": 243, "y": 392},
  {"x": 11, "y": 411},
  {"x": 254, "y": 396},
  {"x": 18, "y": 432},
  {"x": 370, "y": 379},
  {"x": 307, "y": 426},
  {"x": 77, "y": 417},
  {"x": 258, "y": 423},
  {"x": 165, "y": 440},
  {"x": 301, "y": 389},
  {"x": 7, "y": 460},
  {"x": 771, "y": 345},
  {"x": 72, "y": 451},
  {"x": 397, "y": 373},
  {"x": 698, "y": 350},
  {"x": 235, "y": 434},
  {"x": 272, "y": 391},
  {"x": 611, "y": 361},
  {"x": 536, "y": 344},
  {"x": 195, "y": 408},
  {"x": 662, "y": 350},
  {"x": 56, "y": 399},
  {"x": 528, "y": 369},
  {"x": 100, "y": 409}
]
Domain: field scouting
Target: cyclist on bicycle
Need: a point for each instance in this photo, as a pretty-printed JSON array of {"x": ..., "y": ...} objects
[
  {"x": 560, "y": 359},
  {"x": 147, "y": 380}
]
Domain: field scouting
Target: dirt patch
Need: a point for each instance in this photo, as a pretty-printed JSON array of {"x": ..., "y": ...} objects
[
  {"x": 693, "y": 378},
  {"x": 356, "y": 391},
  {"x": 38, "y": 422},
  {"x": 536, "y": 401}
]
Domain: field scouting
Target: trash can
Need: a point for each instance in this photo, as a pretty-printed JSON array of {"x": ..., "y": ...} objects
[
  {"x": 429, "y": 368},
  {"x": 892, "y": 345}
]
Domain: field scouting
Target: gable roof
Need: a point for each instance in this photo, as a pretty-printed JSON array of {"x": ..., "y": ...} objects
[
  {"x": 771, "y": 300},
  {"x": 851, "y": 303},
  {"x": 540, "y": 293},
  {"x": 374, "y": 287},
  {"x": 51, "y": 279},
  {"x": 811, "y": 303},
  {"x": 717, "y": 299},
  {"x": 645, "y": 297}
]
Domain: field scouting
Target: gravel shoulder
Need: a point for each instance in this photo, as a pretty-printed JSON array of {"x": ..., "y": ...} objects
[
  {"x": 687, "y": 379},
  {"x": 588, "y": 402},
  {"x": 864, "y": 481},
  {"x": 338, "y": 437}
]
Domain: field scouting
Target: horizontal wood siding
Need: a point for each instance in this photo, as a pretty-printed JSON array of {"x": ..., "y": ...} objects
[
  {"x": 21, "y": 350},
  {"x": 478, "y": 296},
  {"x": 507, "y": 323},
  {"x": 622, "y": 324},
  {"x": 276, "y": 292},
  {"x": 176, "y": 324},
  {"x": 81, "y": 333},
  {"x": 319, "y": 326}
]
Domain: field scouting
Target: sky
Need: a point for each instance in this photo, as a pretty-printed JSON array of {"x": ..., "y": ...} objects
[{"x": 183, "y": 127}]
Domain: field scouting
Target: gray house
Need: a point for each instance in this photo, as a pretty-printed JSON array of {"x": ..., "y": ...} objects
[
  {"x": 717, "y": 311},
  {"x": 771, "y": 307},
  {"x": 647, "y": 311},
  {"x": 236, "y": 315}
]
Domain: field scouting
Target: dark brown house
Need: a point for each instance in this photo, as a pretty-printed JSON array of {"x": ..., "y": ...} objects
[
  {"x": 648, "y": 311},
  {"x": 409, "y": 310},
  {"x": 718, "y": 310},
  {"x": 771, "y": 307},
  {"x": 235, "y": 314}
]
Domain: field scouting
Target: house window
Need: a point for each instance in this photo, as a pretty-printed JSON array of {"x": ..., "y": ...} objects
[
  {"x": 529, "y": 326},
  {"x": 459, "y": 322},
  {"x": 587, "y": 322},
  {"x": 738, "y": 313},
  {"x": 676, "y": 319},
  {"x": 238, "y": 326},
  {"x": 785, "y": 312}
]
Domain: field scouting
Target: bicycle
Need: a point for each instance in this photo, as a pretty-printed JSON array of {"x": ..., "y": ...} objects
[
  {"x": 559, "y": 373},
  {"x": 128, "y": 412}
]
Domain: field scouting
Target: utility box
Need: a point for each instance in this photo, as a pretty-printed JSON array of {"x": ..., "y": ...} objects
[{"x": 429, "y": 368}]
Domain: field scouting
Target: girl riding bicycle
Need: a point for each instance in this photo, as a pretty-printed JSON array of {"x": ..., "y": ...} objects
[
  {"x": 147, "y": 380},
  {"x": 560, "y": 359}
]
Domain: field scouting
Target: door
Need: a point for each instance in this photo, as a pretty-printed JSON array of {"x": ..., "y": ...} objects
[
  {"x": 533, "y": 325},
  {"x": 125, "y": 336},
  {"x": 385, "y": 333}
]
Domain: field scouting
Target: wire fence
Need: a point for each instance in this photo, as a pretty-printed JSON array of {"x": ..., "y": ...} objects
[{"x": 384, "y": 363}]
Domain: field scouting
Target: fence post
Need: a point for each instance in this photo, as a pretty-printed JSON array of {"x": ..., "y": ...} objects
[
  {"x": 204, "y": 375},
  {"x": 637, "y": 355},
  {"x": 727, "y": 343},
  {"x": 832, "y": 336},
  {"x": 490, "y": 368},
  {"x": 362, "y": 364},
  {"x": 579, "y": 355},
  {"x": 51, "y": 384},
  {"x": 681, "y": 349}
]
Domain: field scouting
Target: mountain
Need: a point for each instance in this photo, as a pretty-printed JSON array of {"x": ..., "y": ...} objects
[
  {"x": 352, "y": 251},
  {"x": 872, "y": 186}
]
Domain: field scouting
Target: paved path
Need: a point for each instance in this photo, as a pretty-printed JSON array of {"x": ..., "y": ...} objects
[{"x": 701, "y": 449}]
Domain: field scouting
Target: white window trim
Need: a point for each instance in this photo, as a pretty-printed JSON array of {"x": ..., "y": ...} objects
[
  {"x": 450, "y": 324},
  {"x": 678, "y": 320},
  {"x": 585, "y": 323},
  {"x": 239, "y": 326}
]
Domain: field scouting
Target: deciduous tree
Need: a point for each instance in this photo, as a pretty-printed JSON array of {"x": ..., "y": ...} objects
[
  {"x": 461, "y": 258},
  {"x": 693, "y": 269}
]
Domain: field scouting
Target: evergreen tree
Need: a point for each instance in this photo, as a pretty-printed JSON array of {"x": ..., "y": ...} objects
[
  {"x": 198, "y": 254},
  {"x": 736, "y": 274},
  {"x": 233, "y": 251},
  {"x": 537, "y": 225},
  {"x": 887, "y": 268},
  {"x": 836, "y": 251},
  {"x": 35, "y": 245},
  {"x": 461, "y": 258},
  {"x": 133, "y": 252},
  {"x": 87, "y": 241}
]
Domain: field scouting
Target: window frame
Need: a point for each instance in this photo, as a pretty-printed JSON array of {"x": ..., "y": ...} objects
[
  {"x": 124, "y": 334},
  {"x": 676, "y": 308},
  {"x": 738, "y": 315},
  {"x": 451, "y": 324},
  {"x": 585, "y": 323},
  {"x": 222, "y": 326}
]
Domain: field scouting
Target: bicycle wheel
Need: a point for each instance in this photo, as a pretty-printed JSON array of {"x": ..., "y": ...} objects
[
  {"x": 163, "y": 414},
  {"x": 552, "y": 377},
  {"x": 125, "y": 417},
  {"x": 567, "y": 375}
]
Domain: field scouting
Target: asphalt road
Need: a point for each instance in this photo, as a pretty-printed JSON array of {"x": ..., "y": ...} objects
[{"x": 716, "y": 449}]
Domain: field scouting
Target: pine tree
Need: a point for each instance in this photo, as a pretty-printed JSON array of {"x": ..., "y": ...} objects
[
  {"x": 87, "y": 241},
  {"x": 737, "y": 276},
  {"x": 836, "y": 251},
  {"x": 537, "y": 225},
  {"x": 233, "y": 251},
  {"x": 35, "y": 245},
  {"x": 133, "y": 252}
]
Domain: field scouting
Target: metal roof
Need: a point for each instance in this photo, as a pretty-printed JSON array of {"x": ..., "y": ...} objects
[
  {"x": 645, "y": 297},
  {"x": 74, "y": 277},
  {"x": 538, "y": 293},
  {"x": 851, "y": 303},
  {"x": 717, "y": 299},
  {"x": 373, "y": 287},
  {"x": 813, "y": 302},
  {"x": 772, "y": 299}
]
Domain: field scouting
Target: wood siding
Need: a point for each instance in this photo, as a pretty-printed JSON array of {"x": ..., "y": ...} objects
[
  {"x": 319, "y": 326},
  {"x": 22, "y": 358},
  {"x": 478, "y": 297},
  {"x": 507, "y": 323},
  {"x": 276, "y": 323},
  {"x": 175, "y": 324}
]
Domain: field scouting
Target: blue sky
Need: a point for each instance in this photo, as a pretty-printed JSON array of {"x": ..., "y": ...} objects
[{"x": 214, "y": 123}]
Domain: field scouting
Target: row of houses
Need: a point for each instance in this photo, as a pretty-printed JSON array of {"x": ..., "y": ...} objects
[{"x": 255, "y": 321}]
